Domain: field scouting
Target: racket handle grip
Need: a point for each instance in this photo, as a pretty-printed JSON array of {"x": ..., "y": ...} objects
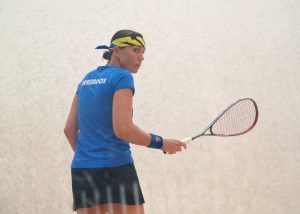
[{"x": 187, "y": 140}]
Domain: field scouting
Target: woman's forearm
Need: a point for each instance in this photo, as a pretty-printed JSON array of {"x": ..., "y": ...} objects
[{"x": 133, "y": 134}]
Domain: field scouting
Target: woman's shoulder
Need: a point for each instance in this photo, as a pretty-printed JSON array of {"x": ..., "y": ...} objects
[
  {"x": 112, "y": 72},
  {"x": 121, "y": 72}
]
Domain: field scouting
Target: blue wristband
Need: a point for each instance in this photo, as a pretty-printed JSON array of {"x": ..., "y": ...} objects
[{"x": 156, "y": 142}]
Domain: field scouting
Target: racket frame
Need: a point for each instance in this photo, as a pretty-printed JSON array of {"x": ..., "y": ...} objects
[{"x": 209, "y": 127}]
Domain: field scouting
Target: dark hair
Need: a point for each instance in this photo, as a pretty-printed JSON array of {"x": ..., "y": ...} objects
[
  {"x": 119, "y": 34},
  {"x": 107, "y": 55}
]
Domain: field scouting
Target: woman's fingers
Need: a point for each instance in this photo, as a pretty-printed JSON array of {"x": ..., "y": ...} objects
[{"x": 172, "y": 146}]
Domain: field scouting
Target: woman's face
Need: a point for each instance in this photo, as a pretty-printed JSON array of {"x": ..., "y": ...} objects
[{"x": 131, "y": 57}]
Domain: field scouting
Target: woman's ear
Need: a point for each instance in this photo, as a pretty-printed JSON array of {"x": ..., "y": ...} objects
[{"x": 116, "y": 51}]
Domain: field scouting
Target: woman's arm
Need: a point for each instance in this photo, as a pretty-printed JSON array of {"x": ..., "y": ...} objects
[
  {"x": 126, "y": 130},
  {"x": 71, "y": 127}
]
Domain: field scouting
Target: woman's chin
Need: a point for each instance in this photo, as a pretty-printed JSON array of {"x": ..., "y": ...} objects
[{"x": 134, "y": 70}]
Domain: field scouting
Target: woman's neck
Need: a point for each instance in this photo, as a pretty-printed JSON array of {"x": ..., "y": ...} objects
[{"x": 114, "y": 62}]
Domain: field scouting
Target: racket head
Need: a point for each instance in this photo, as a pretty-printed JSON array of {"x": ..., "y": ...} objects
[{"x": 239, "y": 118}]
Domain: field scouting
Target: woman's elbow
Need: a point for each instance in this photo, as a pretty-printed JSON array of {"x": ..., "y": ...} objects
[
  {"x": 122, "y": 133},
  {"x": 68, "y": 131}
]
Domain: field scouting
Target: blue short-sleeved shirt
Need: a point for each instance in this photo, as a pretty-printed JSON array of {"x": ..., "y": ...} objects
[{"x": 97, "y": 145}]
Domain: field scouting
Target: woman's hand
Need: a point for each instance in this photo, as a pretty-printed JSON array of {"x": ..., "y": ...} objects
[{"x": 171, "y": 146}]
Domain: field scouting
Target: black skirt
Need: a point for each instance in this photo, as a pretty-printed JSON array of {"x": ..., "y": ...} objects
[{"x": 96, "y": 186}]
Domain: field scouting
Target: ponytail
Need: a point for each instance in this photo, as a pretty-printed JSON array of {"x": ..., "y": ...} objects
[{"x": 107, "y": 55}]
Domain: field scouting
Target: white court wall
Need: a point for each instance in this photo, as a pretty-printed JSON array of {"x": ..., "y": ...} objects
[{"x": 201, "y": 56}]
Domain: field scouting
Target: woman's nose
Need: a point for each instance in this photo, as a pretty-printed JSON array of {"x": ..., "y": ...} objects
[{"x": 141, "y": 57}]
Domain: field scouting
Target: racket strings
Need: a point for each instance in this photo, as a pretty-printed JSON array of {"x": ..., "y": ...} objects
[{"x": 239, "y": 119}]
